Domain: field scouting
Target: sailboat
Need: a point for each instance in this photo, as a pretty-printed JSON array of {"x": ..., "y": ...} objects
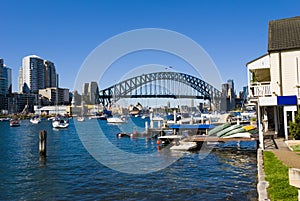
[
  {"x": 81, "y": 118},
  {"x": 35, "y": 119},
  {"x": 59, "y": 122}
]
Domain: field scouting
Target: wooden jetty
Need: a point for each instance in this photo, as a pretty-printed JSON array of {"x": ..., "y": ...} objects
[{"x": 204, "y": 138}]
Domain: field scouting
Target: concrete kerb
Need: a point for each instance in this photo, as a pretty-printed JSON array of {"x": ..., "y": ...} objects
[{"x": 262, "y": 184}]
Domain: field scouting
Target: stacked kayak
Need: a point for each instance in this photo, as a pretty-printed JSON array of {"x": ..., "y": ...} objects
[
  {"x": 215, "y": 130},
  {"x": 233, "y": 131}
]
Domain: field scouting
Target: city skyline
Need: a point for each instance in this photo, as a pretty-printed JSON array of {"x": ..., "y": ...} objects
[{"x": 233, "y": 33}]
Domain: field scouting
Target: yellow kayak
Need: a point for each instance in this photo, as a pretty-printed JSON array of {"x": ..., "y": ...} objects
[{"x": 249, "y": 127}]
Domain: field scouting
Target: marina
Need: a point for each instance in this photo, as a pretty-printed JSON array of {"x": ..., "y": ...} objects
[{"x": 69, "y": 172}]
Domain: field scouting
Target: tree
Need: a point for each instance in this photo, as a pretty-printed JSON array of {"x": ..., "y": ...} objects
[{"x": 295, "y": 127}]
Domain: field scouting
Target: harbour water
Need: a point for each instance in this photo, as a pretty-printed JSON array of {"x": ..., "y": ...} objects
[{"x": 71, "y": 173}]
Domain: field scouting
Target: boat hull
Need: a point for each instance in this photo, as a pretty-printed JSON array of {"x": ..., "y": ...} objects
[{"x": 59, "y": 124}]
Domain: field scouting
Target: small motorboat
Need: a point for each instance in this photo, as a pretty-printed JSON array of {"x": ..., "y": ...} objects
[
  {"x": 35, "y": 120},
  {"x": 115, "y": 120},
  {"x": 14, "y": 123},
  {"x": 60, "y": 123},
  {"x": 80, "y": 119},
  {"x": 184, "y": 146}
]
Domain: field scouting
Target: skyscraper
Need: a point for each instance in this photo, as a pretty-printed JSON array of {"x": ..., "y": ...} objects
[
  {"x": 36, "y": 73},
  {"x": 90, "y": 93},
  {"x": 50, "y": 74},
  {"x": 5, "y": 78},
  {"x": 93, "y": 92}
]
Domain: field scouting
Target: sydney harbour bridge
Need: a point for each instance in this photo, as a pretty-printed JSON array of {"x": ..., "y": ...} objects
[{"x": 161, "y": 85}]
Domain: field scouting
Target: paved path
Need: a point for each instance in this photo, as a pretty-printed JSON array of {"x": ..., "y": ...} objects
[{"x": 283, "y": 153}]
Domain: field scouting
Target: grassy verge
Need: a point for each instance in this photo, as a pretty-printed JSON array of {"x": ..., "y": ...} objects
[
  {"x": 296, "y": 148},
  {"x": 278, "y": 177}
]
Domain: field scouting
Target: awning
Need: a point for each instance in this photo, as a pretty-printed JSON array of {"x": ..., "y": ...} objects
[{"x": 277, "y": 101}]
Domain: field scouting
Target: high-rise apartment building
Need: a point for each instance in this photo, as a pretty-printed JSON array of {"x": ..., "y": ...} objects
[
  {"x": 50, "y": 74},
  {"x": 36, "y": 73},
  {"x": 5, "y": 78},
  {"x": 90, "y": 93},
  {"x": 93, "y": 92}
]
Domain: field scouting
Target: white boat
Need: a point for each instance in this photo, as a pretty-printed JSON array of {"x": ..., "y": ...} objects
[
  {"x": 157, "y": 118},
  {"x": 115, "y": 120},
  {"x": 167, "y": 139},
  {"x": 5, "y": 119},
  {"x": 51, "y": 119},
  {"x": 60, "y": 123},
  {"x": 80, "y": 119},
  {"x": 95, "y": 117},
  {"x": 35, "y": 120},
  {"x": 184, "y": 146},
  {"x": 14, "y": 123}
]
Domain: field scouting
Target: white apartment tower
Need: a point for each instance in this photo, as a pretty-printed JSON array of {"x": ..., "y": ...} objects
[{"x": 36, "y": 73}]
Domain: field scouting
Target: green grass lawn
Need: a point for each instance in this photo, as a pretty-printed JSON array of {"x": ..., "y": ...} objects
[
  {"x": 278, "y": 177},
  {"x": 296, "y": 147}
]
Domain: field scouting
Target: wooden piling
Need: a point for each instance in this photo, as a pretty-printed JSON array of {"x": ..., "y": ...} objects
[{"x": 43, "y": 143}]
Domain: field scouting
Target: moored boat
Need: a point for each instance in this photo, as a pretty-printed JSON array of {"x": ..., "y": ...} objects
[
  {"x": 184, "y": 146},
  {"x": 35, "y": 120},
  {"x": 115, "y": 120},
  {"x": 81, "y": 119},
  {"x": 60, "y": 123},
  {"x": 14, "y": 123}
]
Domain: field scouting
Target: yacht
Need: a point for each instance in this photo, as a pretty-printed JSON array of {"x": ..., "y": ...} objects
[
  {"x": 35, "y": 120},
  {"x": 14, "y": 123},
  {"x": 116, "y": 120},
  {"x": 60, "y": 123}
]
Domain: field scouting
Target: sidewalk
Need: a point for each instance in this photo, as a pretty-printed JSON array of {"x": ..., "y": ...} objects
[{"x": 283, "y": 153}]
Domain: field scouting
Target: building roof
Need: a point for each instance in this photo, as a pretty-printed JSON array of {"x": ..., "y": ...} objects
[{"x": 284, "y": 34}]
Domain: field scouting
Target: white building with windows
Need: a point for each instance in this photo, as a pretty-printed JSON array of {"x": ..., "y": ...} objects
[
  {"x": 274, "y": 78},
  {"x": 36, "y": 73}
]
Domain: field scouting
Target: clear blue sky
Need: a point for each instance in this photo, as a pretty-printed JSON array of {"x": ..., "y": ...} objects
[{"x": 66, "y": 31}]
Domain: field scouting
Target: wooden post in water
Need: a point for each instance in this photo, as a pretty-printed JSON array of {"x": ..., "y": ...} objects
[{"x": 42, "y": 143}]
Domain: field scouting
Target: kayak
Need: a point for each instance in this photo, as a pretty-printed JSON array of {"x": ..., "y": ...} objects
[
  {"x": 226, "y": 130},
  {"x": 238, "y": 130},
  {"x": 249, "y": 127},
  {"x": 239, "y": 135},
  {"x": 217, "y": 129}
]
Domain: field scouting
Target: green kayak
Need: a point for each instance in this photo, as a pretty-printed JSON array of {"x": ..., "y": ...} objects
[
  {"x": 226, "y": 130},
  {"x": 217, "y": 129},
  {"x": 238, "y": 130}
]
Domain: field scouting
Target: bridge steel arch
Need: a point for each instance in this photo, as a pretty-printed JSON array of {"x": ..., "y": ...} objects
[{"x": 125, "y": 87}]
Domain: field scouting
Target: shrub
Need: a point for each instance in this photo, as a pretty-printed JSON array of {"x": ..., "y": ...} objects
[{"x": 295, "y": 127}]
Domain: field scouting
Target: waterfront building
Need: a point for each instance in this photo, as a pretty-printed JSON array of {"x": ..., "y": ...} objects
[
  {"x": 17, "y": 103},
  {"x": 54, "y": 96},
  {"x": 51, "y": 110},
  {"x": 5, "y": 78},
  {"x": 36, "y": 73},
  {"x": 273, "y": 78}
]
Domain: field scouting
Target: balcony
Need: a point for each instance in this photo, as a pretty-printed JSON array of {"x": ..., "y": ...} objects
[{"x": 260, "y": 89}]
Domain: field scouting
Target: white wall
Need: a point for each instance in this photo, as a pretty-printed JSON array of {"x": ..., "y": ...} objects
[
  {"x": 263, "y": 62},
  {"x": 275, "y": 74},
  {"x": 290, "y": 75}
]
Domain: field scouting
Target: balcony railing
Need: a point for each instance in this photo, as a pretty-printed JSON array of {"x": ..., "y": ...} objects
[{"x": 260, "y": 90}]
